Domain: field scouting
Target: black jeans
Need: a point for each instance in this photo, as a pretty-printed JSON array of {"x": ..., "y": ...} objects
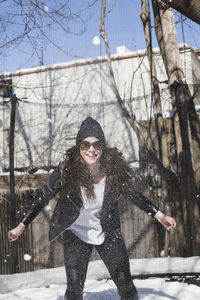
[{"x": 113, "y": 253}]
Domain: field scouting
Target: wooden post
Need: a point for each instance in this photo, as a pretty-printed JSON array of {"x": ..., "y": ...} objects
[
  {"x": 12, "y": 179},
  {"x": 161, "y": 131}
]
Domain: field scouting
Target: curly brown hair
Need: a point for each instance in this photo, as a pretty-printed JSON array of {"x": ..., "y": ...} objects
[{"x": 112, "y": 163}]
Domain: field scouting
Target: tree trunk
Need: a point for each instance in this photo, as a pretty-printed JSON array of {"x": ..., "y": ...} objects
[
  {"x": 168, "y": 45},
  {"x": 168, "y": 197},
  {"x": 145, "y": 17},
  {"x": 166, "y": 35},
  {"x": 189, "y": 8}
]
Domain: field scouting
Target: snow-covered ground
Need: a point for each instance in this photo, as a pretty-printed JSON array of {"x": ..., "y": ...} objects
[
  {"x": 148, "y": 289},
  {"x": 50, "y": 283}
]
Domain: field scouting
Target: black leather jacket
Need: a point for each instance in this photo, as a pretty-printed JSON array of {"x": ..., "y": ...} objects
[{"x": 68, "y": 208}]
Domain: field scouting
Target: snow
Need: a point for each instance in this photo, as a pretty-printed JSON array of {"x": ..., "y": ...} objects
[
  {"x": 27, "y": 257},
  {"x": 20, "y": 173},
  {"x": 50, "y": 283},
  {"x": 96, "y": 41},
  {"x": 46, "y": 9},
  {"x": 148, "y": 289}
]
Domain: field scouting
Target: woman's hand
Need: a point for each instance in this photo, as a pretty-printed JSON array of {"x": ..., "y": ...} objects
[
  {"x": 166, "y": 221},
  {"x": 13, "y": 234}
]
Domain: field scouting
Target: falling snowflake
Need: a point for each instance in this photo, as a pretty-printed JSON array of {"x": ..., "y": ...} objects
[
  {"x": 27, "y": 257},
  {"x": 96, "y": 40},
  {"x": 46, "y": 9},
  {"x": 47, "y": 207}
]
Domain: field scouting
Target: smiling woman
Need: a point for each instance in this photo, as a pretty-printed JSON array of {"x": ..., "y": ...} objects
[
  {"x": 91, "y": 151},
  {"x": 90, "y": 180}
]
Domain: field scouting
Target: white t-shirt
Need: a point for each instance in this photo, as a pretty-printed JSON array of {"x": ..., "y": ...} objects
[{"x": 87, "y": 226}]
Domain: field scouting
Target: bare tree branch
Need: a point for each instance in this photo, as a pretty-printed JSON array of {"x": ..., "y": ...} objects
[
  {"x": 114, "y": 85},
  {"x": 24, "y": 21}
]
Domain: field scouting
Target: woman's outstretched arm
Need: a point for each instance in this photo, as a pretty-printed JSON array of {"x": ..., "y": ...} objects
[
  {"x": 44, "y": 195},
  {"x": 145, "y": 204}
]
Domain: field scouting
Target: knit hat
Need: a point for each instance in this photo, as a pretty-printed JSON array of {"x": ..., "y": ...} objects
[{"x": 90, "y": 127}]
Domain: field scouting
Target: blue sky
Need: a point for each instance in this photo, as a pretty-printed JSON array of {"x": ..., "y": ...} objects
[{"x": 123, "y": 27}]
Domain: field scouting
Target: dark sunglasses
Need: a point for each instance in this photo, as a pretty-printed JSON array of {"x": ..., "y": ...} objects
[{"x": 85, "y": 145}]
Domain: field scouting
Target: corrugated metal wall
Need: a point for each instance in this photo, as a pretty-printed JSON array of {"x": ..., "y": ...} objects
[{"x": 56, "y": 99}]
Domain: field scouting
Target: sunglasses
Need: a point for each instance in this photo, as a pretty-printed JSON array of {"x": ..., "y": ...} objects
[{"x": 85, "y": 145}]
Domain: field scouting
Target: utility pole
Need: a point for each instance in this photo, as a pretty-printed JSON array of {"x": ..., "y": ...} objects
[{"x": 12, "y": 178}]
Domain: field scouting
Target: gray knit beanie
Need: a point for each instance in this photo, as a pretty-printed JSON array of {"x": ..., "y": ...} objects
[{"x": 90, "y": 127}]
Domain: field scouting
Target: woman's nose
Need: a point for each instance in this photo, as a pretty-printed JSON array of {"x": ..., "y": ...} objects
[{"x": 91, "y": 148}]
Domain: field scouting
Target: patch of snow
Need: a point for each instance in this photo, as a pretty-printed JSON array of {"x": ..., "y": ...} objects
[
  {"x": 197, "y": 108},
  {"x": 148, "y": 289},
  {"x": 135, "y": 164},
  {"x": 122, "y": 50},
  {"x": 28, "y": 285},
  {"x": 40, "y": 171}
]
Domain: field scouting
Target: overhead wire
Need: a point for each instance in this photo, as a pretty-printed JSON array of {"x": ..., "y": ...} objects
[{"x": 183, "y": 36}]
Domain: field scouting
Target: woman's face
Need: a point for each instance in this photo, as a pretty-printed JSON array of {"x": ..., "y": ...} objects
[{"x": 91, "y": 150}]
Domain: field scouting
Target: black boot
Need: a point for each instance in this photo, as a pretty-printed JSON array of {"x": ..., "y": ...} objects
[
  {"x": 130, "y": 298},
  {"x": 72, "y": 296},
  {"x": 134, "y": 297}
]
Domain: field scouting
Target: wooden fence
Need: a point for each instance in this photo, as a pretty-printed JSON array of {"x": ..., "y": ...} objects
[
  {"x": 22, "y": 246},
  {"x": 138, "y": 229}
]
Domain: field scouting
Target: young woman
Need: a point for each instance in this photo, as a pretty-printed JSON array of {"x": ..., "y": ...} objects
[{"x": 90, "y": 180}]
